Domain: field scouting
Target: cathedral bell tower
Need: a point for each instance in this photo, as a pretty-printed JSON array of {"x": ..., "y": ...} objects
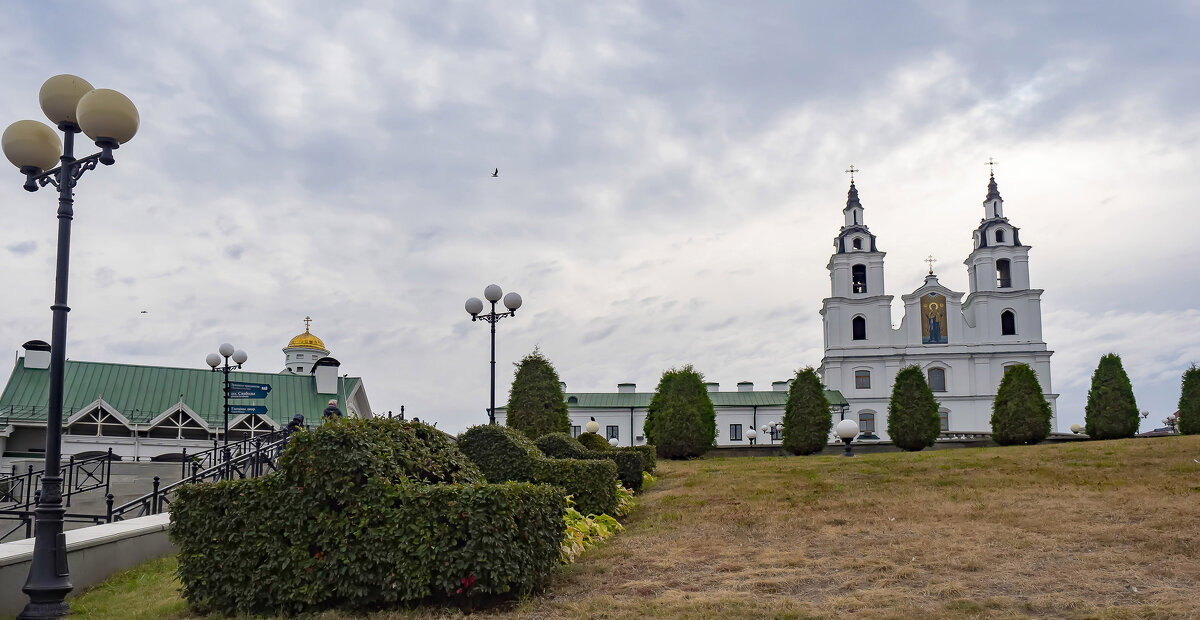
[
  {"x": 857, "y": 311},
  {"x": 1001, "y": 305}
]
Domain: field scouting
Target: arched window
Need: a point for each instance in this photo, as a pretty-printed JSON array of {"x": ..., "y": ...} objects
[
  {"x": 1000, "y": 235},
  {"x": 857, "y": 243},
  {"x": 944, "y": 415},
  {"x": 862, "y": 379},
  {"x": 866, "y": 422},
  {"x": 937, "y": 379},
  {"x": 859, "y": 325},
  {"x": 858, "y": 278},
  {"x": 571, "y": 400},
  {"x": 1003, "y": 276},
  {"x": 1008, "y": 323}
]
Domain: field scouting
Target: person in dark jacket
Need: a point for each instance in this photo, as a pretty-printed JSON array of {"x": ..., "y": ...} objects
[
  {"x": 296, "y": 424},
  {"x": 332, "y": 411}
]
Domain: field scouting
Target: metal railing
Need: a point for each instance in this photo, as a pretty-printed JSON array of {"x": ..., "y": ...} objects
[
  {"x": 250, "y": 457},
  {"x": 251, "y": 463}
]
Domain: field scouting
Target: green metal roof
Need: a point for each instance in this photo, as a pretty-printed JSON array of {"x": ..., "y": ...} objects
[
  {"x": 141, "y": 393},
  {"x": 641, "y": 400}
]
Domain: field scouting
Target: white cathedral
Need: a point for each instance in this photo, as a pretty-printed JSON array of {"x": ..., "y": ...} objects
[{"x": 962, "y": 347}]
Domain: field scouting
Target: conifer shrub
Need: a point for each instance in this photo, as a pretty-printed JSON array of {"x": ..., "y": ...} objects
[
  {"x": 363, "y": 514},
  {"x": 563, "y": 446},
  {"x": 1020, "y": 413},
  {"x": 806, "y": 418},
  {"x": 593, "y": 441},
  {"x": 1111, "y": 411},
  {"x": 913, "y": 422},
  {"x": 502, "y": 453},
  {"x": 1189, "y": 402},
  {"x": 535, "y": 402},
  {"x": 681, "y": 421}
]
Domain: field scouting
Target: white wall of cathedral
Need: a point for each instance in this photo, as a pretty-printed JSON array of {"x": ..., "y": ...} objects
[{"x": 300, "y": 360}]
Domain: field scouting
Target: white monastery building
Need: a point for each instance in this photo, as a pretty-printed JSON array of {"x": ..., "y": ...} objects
[{"x": 962, "y": 347}]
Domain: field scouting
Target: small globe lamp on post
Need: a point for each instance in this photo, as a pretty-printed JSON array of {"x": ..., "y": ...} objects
[
  {"x": 592, "y": 426},
  {"x": 847, "y": 430},
  {"x": 110, "y": 120},
  {"x": 239, "y": 357},
  {"x": 751, "y": 434},
  {"x": 612, "y": 441},
  {"x": 474, "y": 307}
]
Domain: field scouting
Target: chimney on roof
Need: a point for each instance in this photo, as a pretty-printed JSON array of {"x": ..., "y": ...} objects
[
  {"x": 325, "y": 372},
  {"x": 780, "y": 386},
  {"x": 745, "y": 386},
  {"x": 37, "y": 355},
  {"x": 626, "y": 388},
  {"x": 713, "y": 386}
]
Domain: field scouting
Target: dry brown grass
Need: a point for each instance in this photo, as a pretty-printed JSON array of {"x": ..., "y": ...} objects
[{"x": 1041, "y": 531}]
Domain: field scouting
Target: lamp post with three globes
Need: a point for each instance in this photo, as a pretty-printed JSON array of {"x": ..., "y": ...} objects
[
  {"x": 213, "y": 360},
  {"x": 109, "y": 119},
  {"x": 474, "y": 306}
]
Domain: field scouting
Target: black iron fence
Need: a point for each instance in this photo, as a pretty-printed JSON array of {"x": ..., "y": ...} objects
[{"x": 20, "y": 491}]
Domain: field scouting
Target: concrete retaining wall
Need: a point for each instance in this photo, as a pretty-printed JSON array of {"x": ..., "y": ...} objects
[{"x": 93, "y": 555}]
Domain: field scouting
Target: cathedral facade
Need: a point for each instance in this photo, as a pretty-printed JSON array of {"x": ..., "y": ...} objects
[{"x": 962, "y": 346}]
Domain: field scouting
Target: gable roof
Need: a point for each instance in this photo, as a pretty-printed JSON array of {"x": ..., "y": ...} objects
[
  {"x": 142, "y": 393},
  {"x": 641, "y": 400}
]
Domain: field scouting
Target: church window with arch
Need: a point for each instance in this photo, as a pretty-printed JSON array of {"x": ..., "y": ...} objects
[
  {"x": 857, "y": 243},
  {"x": 944, "y": 417},
  {"x": 858, "y": 278},
  {"x": 862, "y": 379},
  {"x": 1000, "y": 235},
  {"x": 1008, "y": 323},
  {"x": 937, "y": 379},
  {"x": 866, "y": 422},
  {"x": 1003, "y": 274},
  {"x": 859, "y": 328}
]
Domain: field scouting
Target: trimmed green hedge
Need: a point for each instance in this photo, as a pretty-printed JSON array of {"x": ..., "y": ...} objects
[
  {"x": 593, "y": 441},
  {"x": 348, "y": 523},
  {"x": 649, "y": 456},
  {"x": 503, "y": 454},
  {"x": 563, "y": 446}
]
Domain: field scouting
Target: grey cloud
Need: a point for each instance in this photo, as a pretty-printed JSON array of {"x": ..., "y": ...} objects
[{"x": 23, "y": 248}]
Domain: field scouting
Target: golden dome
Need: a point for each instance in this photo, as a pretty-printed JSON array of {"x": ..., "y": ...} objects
[{"x": 306, "y": 340}]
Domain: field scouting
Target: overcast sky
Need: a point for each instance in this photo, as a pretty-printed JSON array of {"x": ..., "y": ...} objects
[{"x": 670, "y": 181}]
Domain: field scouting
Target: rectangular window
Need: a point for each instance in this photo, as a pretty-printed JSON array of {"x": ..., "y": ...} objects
[
  {"x": 614, "y": 432},
  {"x": 299, "y": 369},
  {"x": 862, "y": 379},
  {"x": 735, "y": 432},
  {"x": 945, "y": 418},
  {"x": 575, "y": 431},
  {"x": 776, "y": 434},
  {"x": 866, "y": 422}
]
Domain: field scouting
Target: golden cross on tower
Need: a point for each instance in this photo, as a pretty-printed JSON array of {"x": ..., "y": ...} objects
[
  {"x": 307, "y": 320},
  {"x": 991, "y": 164},
  {"x": 931, "y": 260},
  {"x": 852, "y": 170}
]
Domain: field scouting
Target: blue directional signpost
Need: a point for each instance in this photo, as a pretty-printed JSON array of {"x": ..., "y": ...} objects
[
  {"x": 248, "y": 409},
  {"x": 240, "y": 389}
]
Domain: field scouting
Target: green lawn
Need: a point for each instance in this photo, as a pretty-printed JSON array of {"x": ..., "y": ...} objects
[{"x": 1081, "y": 530}]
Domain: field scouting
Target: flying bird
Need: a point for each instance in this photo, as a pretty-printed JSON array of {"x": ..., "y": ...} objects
[
  {"x": 145, "y": 312},
  {"x": 496, "y": 172}
]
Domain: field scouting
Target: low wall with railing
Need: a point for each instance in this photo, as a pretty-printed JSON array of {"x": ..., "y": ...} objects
[{"x": 93, "y": 555}]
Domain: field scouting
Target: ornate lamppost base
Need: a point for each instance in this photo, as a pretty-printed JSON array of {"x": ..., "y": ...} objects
[{"x": 48, "y": 610}]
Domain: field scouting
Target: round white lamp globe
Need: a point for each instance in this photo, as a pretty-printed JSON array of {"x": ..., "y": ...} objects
[
  {"x": 474, "y": 306},
  {"x": 492, "y": 293},
  {"x": 612, "y": 442},
  {"x": 593, "y": 426},
  {"x": 240, "y": 357},
  {"x": 225, "y": 349},
  {"x": 512, "y": 301},
  {"x": 751, "y": 434},
  {"x": 847, "y": 429},
  {"x": 213, "y": 360}
]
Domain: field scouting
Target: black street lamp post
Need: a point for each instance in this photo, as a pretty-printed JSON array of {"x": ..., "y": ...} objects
[
  {"x": 109, "y": 119},
  {"x": 214, "y": 361},
  {"x": 512, "y": 301}
]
